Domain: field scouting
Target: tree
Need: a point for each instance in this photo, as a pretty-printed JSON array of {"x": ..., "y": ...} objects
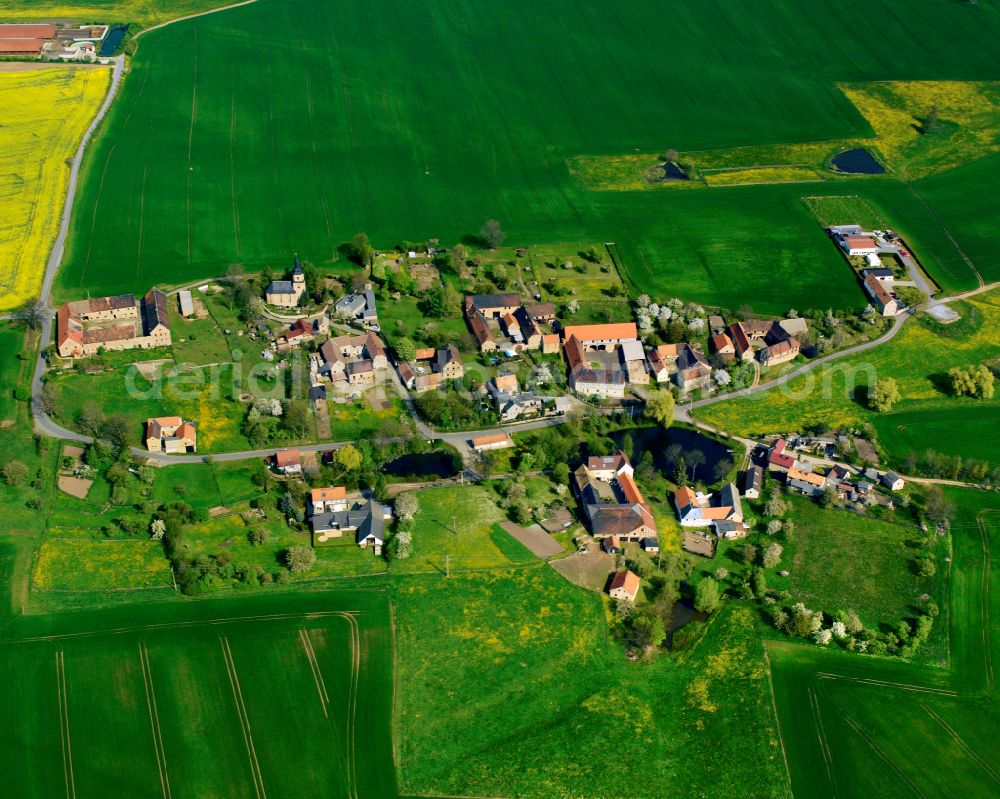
[
  {"x": 694, "y": 458},
  {"x": 939, "y": 509},
  {"x": 406, "y": 350},
  {"x": 671, "y": 156},
  {"x": 14, "y": 473},
  {"x": 401, "y": 546},
  {"x": 722, "y": 467},
  {"x": 774, "y": 526},
  {"x": 237, "y": 288},
  {"x": 822, "y": 637},
  {"x": 147, "y": 474},
  {"x": 116, "y": 428},
  {"x": 706, "y": 595},
  {"x": 361, "y": 247},
  {"x": 772, "y": 555},
  {"x": 296, "y": 417},
  {"x": 31, "y": 314},
  {"x": 157, "y": 529},
  {"x": 258, "y": 536},
  {"x": 348, "y": 458},
  {"x": 407, "y": 506},
  {"x": 804, "y": 622},
  {"x": 660, "y": 406},
  {"x": 974, "y": 381},
  {"x": 885, "y": 395},
  {"x": 776, "y": 505},
  {"x": 492, "y": 234},
  {"x": 299, "y": 558},
  {"x": 748, "y": 554},
  {"x": 572, "y": 307}
]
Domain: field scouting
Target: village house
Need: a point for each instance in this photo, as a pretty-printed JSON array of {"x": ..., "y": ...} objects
[
  {"x": 288, "y": 461},
  {"x": 513, "y": 404},
  {"x": 550, "y": 343},
  {"x": 723, "y": 512},
  {"x": 723, "y": 347},
  {"x": 885, "y": 300},
  {"x": 807, "y": 483},
  {"x": 305, "y": 330},
  {"x": 287, "y": 293},
  {"x": 480, "y": 330},
  {"x": 588, "y": 380},
  {"x": 611, "y": 501},
  {"x": 682, "y": 364},
  {"x": 882, "y": 274},
  {"x": 777, "y": 459},
  {"x": 716, "y": 324},
  {"x": 594, "y": 359},
  {"x": 650, "y": 545},
  {"x": 624, "y": 585},
  {"x": 430, "y": 368},
  {"x": 892, "y": 481},
  {"x": 776, "y": 344},
  {"x": 352, "y": 360},
  {"x": 753, "y": 482},
  {"x": 328, "y": 500},
  {"x": 633, "y": 361},
  {"x": 358, "y": 308},
  {"x": 858, "y": 244},
  {"x": 365, "y": 520},
  {"x": 492, "y": 442},
  {"x": 541, "y": 312},
  {"x": 171, "y": 434},
  {"x": 492, "y": 306},
  {"x": 85, "y": 327}
]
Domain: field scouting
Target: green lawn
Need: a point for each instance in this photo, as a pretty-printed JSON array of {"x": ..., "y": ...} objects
[
  {"x": 457, "y": 522},
  {"x": 200, "y": 139},
  {"x": 193, "y": 483},
  {"x": 842, "y": 560},
  {"x": 197, "y": 341},
  {"x": 71, "y": 563}
]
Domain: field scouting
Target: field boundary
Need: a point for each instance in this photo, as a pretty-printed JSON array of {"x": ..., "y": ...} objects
[
  {"x": 154, "y": 720},
  {"x": 67, "y": 746},
  {"x": 241, "y": 712}
]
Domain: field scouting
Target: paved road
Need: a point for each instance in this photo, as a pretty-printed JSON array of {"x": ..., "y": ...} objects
[{"x": 43, "y": 424}]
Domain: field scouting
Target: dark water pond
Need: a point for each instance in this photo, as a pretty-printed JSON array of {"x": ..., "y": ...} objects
[
  {"x": 857, "y": 162},
  {"x": 658, "y": 441},
  {"x": 682, "y": 615},
  {"x": 427, "y": 464},
  {"x": 113, "y": 40}
]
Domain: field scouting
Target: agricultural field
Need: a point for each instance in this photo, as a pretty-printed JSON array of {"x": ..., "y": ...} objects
[
  {"x": 46, "y": 112},
  {"x": 852, "y": 726},
  {"x": 917, "y": 358},
  {"x": 432, "y": 136},
  {"x": 145, "y": 12},
  {"x": 179, "y": 676}
]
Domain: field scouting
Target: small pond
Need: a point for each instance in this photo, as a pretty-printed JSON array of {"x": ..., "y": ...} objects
[
  {"x": 112, "y": 41},
  {"x": 857, "y": 162},
  {"x": 657, "y": 441},
  {"x": 438, "y": 463},
  {"x": 662, "y": 173},
  {"x": 682, "y": 614}
]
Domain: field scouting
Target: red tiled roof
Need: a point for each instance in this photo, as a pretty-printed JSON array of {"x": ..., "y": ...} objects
[
  {"x": 331, "y": 494},
  {"x": 628, "y": 580},
  {"x": 288, "y": 457},
  {"x": 615, "y": 330}
]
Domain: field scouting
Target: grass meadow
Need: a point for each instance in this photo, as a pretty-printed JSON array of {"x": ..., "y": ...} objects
[
  {"x": 858, "y": 727},
  {"x": 917, "y": 358},
  {"x": 46, "y": 112},
  {"x": 246, "y": 155}
]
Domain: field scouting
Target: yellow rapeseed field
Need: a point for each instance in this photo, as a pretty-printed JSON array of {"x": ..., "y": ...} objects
[
  {"x": 144, "y": 12},
  {"x": 751, "y": 176},
  {"x": 43, "y": 115}
]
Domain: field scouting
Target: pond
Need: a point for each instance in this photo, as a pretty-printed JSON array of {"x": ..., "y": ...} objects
[
  {"x": 662, "y": 173},
  {"x": 857, "y": 162},
  {"x": 657, "y": 441},
  {"x": 112, "y": 41},
  {"x": 437, "y": 463},
  {"x": 683, "y": 613}
]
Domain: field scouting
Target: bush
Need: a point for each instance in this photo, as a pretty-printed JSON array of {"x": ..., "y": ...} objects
[{"x": 258, "y": 536}]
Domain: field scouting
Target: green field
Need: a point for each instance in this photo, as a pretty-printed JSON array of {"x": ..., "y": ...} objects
[
  {"x": 119, "y": 703},
  {"x": 246, "y": 155},
  {"x": 859, "y": 727}
]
